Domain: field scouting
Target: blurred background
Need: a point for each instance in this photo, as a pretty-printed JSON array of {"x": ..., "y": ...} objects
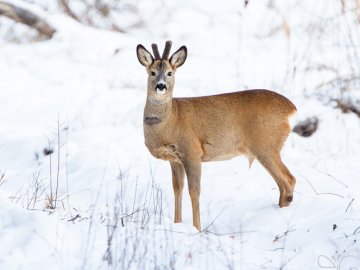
[{"x": 301, "y": 46}]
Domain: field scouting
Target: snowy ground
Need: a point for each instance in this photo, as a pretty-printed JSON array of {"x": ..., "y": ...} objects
[{"x": 82, "y": 94}]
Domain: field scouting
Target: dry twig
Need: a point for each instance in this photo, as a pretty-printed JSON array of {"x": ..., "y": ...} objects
[{"x": 27, "y": 17}]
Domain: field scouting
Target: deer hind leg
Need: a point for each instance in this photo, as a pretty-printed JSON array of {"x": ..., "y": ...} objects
[
  {"x": 178, "y": 174},
  {"x": 282, "y": 176},
  {"x": 193, "y": 173}
]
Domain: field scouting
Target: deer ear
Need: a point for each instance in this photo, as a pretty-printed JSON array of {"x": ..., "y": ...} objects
[
  {"x": 145, "y": 58},
  {"x": 179, "y": 57}
]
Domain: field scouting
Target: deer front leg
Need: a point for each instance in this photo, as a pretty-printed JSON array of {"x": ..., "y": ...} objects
[
  {"x": 178, "y": 174},
  {"x": 193, "y": 173}
]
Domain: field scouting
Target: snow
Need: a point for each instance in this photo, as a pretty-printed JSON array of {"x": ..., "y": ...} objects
[{"x": 82, "y": 94}]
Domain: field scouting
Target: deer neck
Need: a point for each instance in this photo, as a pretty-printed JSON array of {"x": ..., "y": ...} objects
[{"x": 157, "y": 110}]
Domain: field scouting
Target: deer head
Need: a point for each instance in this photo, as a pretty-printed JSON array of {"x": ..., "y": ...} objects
[{"x": 161, "y": 70}]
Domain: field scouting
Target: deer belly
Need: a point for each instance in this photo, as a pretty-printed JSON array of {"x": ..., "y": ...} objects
[{"x": 213, "y": 152}]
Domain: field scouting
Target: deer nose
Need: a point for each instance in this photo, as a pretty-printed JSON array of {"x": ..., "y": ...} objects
[{"x": 161, "y": 86}]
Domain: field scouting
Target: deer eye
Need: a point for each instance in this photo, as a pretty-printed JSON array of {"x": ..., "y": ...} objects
[
  {"x": 152, "y": 73},
  {"x": 169, "y": 73}
]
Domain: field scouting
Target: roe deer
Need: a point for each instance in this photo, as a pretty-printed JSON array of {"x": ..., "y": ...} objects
[{"x": 188, "y": 131}]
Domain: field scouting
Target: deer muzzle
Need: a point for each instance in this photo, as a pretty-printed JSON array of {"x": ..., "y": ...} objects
[{"x": 161, "y": 87}]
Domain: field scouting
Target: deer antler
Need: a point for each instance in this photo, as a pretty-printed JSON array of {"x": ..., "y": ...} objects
[
  {"x": 156, "y": 51},
  {"x": 166, "y": 52}
]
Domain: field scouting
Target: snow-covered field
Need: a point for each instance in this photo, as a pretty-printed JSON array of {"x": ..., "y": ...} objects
[{"x": 81, "y": 95}]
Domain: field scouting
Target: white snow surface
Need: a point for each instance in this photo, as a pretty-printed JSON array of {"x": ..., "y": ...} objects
[{"x": 82, "y": 95}]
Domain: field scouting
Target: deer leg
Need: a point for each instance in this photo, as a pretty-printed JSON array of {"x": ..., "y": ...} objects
[
  {"x": 193, "y": 173},
  {"x": 282, "y": 176},
  {"x": 178, "y": 174}
]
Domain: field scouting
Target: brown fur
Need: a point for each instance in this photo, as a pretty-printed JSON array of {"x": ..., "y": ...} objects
[{"x": 194, "y": 130}]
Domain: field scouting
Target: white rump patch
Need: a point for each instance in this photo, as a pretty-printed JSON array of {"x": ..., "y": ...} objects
[{"x": 293, "y": 119}]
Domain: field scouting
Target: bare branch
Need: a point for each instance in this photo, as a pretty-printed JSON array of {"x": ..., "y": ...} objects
[
  {"x": 65, "y": 6},
  {"x": 26, "y": 17}
]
